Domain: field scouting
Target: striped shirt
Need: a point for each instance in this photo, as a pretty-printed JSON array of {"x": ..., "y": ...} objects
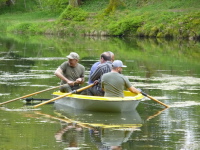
[{"x": 101, "y": 69}]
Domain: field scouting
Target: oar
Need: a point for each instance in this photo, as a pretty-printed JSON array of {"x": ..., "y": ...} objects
[
  {"x": 75, "y": 91},
  {"x": 30, "y": 94},
  {"x": 65, "y": 119},
  {"x": 156, "y": 114},
  {"x": 36, "y": 99},
  {"x": 154, "y": 99}
]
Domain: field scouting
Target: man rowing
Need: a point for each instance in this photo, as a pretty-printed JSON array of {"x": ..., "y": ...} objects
[
  {"x": 114, "y": 83},
  {"x": 71, "y": 73}
]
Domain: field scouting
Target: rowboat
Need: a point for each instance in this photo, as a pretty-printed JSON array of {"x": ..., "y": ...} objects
[{"x": 98, "y": 103}]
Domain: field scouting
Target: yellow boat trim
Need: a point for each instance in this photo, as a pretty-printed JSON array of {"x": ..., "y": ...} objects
[
  {"x": 114, "y": 125},
  {"x": 128, "y": 96}
]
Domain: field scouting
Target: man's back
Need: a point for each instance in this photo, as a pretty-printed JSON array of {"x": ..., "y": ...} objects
[
  {"x": 104, "y": 67},
  {"x": 93, "y": 68},
  {"x": 101, "y": 69},
  {"x": 114, "y": 83}
]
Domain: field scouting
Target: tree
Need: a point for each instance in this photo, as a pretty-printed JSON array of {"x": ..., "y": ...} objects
[
  {"x": 113, "y": 4},
  {"x": 74, "y": 3},
  {"x": 6, "y": 2}
]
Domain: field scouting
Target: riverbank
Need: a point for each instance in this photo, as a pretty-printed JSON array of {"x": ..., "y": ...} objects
[{"x": 152, "y": 19}]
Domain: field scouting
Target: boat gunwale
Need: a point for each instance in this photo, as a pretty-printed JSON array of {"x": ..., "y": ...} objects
[{"x": 137, "y": 97}]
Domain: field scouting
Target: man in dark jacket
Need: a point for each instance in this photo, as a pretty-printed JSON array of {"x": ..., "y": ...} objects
[{"x": 104, "y": 67}]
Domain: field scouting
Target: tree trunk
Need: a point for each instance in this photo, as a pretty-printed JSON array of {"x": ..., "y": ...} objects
[
  {"x": 113, "y": 4},
  {"x": 9, "y": 2},
  {"x": 25, "y": 4},
  {"x": 74, "y": 3},
  {"x": 79, "y": 2}
]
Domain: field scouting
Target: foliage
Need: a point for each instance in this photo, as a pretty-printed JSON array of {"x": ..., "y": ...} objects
[
  {"x": 113, "y": 5},
  {"x": 94, "y": 5},
  {"x": 73, "y": 13},
  {"x": 20, "y": 6},
  {"x": 170, "y": 25},
  {"x": 20, "y": 28},
  {"x": 55, "y": 5},
  {"x": 32, "y": 28},
  {"x": 74, "y": 3},
  {"x": 147, "y": 18},
  {"x": 125, "y": 26},
  {"x": 2, "y": 2}
]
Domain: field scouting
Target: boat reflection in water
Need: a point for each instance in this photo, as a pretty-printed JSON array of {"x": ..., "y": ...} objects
[{"x": 106, "y": 130}]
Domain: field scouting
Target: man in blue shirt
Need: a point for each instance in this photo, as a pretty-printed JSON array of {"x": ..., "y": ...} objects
[
  {"x": 104, "y": 67},
  {"x": 95, "y": 65}
]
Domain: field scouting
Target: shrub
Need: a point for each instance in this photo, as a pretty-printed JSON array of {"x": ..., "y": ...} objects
[
  {"x": 22, "y": 27},
  {"x": 73, "y": 13},
  {"x": 126, "y": 26}
]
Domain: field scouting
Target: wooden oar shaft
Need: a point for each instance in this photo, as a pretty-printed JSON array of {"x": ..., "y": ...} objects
[
  {"x": 65, "y": 119},
  {"x": 154, "y": 99},
  {"x": 51, "y": 100},
  {"x": 30, "y": 95},
  {"x": 157, "y": 101},
  {"x": 158, "y": 113},
  {"x": 50, "y": 116}
]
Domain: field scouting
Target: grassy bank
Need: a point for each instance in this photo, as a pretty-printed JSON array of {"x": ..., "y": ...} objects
[{"x": 152, "y": 18}]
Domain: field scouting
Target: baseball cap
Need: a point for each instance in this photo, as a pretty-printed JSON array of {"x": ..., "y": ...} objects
[
  {"x": 73, "y": 55},
  {"x": 118, "y": 63}
]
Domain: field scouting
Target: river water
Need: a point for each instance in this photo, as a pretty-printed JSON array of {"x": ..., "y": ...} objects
[{"x": 167, "y": 70}]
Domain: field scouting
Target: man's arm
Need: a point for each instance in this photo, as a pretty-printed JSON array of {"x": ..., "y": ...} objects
[
  {"x": 96, "y": 74},
  {"x": 59, "y": 74},
  {"x": 133, "y": 90},
  {"x": 81, "y": 79}
]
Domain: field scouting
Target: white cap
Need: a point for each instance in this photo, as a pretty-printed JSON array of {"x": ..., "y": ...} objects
[
  {"x": 73, "y": 55},
  {"x": 118, "y": 63}
]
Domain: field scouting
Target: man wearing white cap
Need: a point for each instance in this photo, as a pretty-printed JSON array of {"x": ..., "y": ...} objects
[
  {"x": 114, "y": 83},
  {"x": 71, "y": 73}
]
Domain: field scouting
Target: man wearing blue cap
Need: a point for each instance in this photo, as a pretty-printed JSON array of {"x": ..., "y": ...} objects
[{"x": 114, "y": 83}]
